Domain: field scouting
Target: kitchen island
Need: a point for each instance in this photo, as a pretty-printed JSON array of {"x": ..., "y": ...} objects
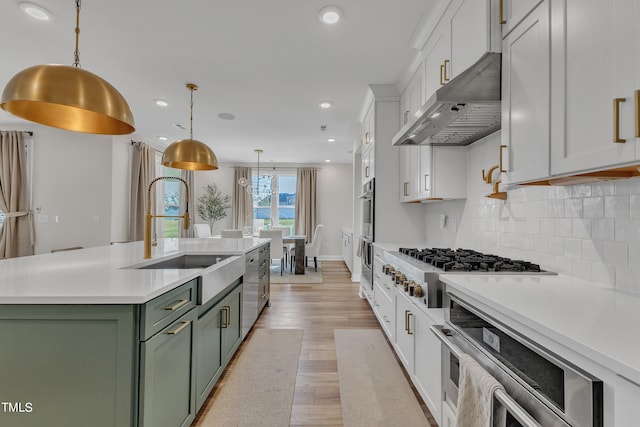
[
  {"x": 590, "y": 325},
  {"x": 92, "y": 337}
]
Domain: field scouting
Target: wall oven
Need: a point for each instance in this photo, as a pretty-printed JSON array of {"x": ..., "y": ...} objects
[
  {"x": 541, "y": 388},
  {"x": 366, "y": 242}
]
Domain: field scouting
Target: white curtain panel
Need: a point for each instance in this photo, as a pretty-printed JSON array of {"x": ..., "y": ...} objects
[
  {"x": 242, "y": 202},
  {"x": 143, "y": 171},
  {"x": 306, "y": 205},
  {"x": 16, "y": 234}
]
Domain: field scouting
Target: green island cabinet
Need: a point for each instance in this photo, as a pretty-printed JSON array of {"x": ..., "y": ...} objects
[{"x": 149, "y": 364}]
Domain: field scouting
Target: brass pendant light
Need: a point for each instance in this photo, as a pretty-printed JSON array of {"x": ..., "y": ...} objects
[
  {"x": 68, "y": 97},
  {"x": 190, "y": 154}
]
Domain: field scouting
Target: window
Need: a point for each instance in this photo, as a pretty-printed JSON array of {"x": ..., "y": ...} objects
[
  {"x": 270, "y": 210},
  {"x": 171, "y": 203}
]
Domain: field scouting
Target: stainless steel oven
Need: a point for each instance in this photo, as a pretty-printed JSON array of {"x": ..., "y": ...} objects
[
  {"x": 368, "y": 209},
  {"x": 541, "y": 388},
  {"x": 367, "y": 262}
]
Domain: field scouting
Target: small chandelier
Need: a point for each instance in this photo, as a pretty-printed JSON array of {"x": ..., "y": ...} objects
[
  {"x": 190, "y": 154},
  {"x": 68, "y": 97},
  {"x": 257, "y": 191}
]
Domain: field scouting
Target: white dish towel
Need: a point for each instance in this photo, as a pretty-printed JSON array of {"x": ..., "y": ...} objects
[{"x": 475, "y": 396}]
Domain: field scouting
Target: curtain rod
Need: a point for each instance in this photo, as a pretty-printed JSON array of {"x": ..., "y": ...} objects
[
  {"x": 267, "y": 168},
  {"x": 152, "y": 147}
]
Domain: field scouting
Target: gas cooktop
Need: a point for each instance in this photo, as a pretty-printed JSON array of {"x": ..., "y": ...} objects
[{"x": 469, "y": 260}]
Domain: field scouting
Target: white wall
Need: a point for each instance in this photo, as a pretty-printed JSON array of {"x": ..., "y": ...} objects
[
  {"x": 586, "y": 231},
  {"x": 121, "y": 187},
  {"x": 335, "y": 201},
  {"x": 71, "y": 181}
]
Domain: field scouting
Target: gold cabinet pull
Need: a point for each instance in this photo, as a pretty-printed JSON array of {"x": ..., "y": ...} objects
[
  {"x": 406, "y": 188},
  {"x": 225, "y": 324},
  {"x": 409, "y": 331},
  {"x": 446, "y": 61},
  {"x": 426, "y": 184},
  {"x": 405, "y": 117},
  {"x": 366, "y": 137},
  {"x": 228, "y": 307},
  {"x": 637, "y": 102},
  {"x": 616, "y": 120},
  {"x": 366, "y": 171},
  {"x": 502, "y": 20},
  {"x": 406, "y": 320},
  {"x": 441, "y": 74},
  {"x": 177, "y": 305},
  {"x": 501, "y": 168},
  {"x": 179, "y": 328}
]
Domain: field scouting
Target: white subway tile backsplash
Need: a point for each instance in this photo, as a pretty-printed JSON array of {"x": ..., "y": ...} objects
[
  {"x": 547, "y": 227},
  {"x": 555, "y": 245},
  {"x": 581, "y": 228},
  {"x": 540, "y": 243},
  {"x": 573, "y": 208},
  {"x": 593, "y": 207},
  {"x": 564, "y": 227},
  {"x": 616, "y": 253},
  {"x": 606, "y": 188},
  {"x": 634, "y": 206},
  {"x": 603, "y": 273},
  {"x": 628, "y": 186},
  {"x": 556, "y": 208},
  {"x": 593, "y": 250},
  {"x": 572, "y": 248},
  {"x": 581, "y": 190},
  {"x": 616, "y": 206},
  {"x": 582, "y": 269},
  {"x": 625, "y": 279},
  {"x": 602, "y": 229}
]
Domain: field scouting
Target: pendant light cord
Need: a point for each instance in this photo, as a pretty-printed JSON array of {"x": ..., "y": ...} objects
[
  {"x": 76, "y": 53},
  {"x": 191, "y": 116}
]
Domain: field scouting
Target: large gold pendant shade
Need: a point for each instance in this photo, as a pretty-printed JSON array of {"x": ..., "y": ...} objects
[{"x": 67, "y": 97}]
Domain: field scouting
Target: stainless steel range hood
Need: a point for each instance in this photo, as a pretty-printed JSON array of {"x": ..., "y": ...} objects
[{"x": 461, "y": 112}]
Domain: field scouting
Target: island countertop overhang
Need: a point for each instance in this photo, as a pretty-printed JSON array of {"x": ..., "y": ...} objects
[{"x": 102, "y": 275}]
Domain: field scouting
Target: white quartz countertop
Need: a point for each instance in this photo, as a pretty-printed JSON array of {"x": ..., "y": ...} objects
[
  {"x": 101, "y": 275},
  {"x": 596, "y": 321}
]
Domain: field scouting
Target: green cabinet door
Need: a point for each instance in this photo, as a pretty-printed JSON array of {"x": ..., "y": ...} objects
[
  {"x": 232, "y": 323},
  {"x": 208, "y": 352},
  {"x": 167, "y": 375},
  {"x": 67, "y": 365}
]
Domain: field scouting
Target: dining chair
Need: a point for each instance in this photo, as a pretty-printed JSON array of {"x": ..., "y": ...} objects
[
  {"x": 286, "y": 247},
  {"x": 231, "y": 234},
  {"x": 276, "y": 245},
  {"x": 313, "y": 248},
  {"x": 202, "y": 230}
]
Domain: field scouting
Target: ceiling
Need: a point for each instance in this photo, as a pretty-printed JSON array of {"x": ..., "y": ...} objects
[{"x": 268, "y": 62}]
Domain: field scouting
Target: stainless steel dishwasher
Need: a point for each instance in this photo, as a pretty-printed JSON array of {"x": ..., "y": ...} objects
[{"x": 250, "y": 291}]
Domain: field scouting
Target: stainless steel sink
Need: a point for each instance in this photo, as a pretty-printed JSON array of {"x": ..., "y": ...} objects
[{"x": 185, "y": 261}]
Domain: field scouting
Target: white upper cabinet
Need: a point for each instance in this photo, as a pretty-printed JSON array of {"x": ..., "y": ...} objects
[
  {"x": 468, "y": 29},
  {"x": 514, "y": 11},
  {"x": 593, "y": 77},
  {"x": 526, "y": 55},
  {"x": 443, "y": 173},
  {"x": 409, "y": 169}
]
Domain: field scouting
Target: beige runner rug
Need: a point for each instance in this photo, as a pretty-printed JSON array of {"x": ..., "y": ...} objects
[
  {"x": 373, "y": 388},
  {"x": 258, "y": 390}
]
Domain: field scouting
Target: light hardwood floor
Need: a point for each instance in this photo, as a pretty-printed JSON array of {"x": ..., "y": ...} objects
[{"x": 318, "y": 310}]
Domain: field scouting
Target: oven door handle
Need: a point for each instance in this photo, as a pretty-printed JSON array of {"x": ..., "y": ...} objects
[{"x": 501, "y": 396}]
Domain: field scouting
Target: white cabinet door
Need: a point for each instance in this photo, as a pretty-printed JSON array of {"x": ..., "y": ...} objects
[
  {"x": 470, "y": 35},
  {"x": 514, "y": 11},
  {"x": 627, "y": 402},
  {"x": 409, "y": 164},
  {"x": 592, "y": 64},
  {"x": 438, "y": 51},
  {"x": 448, "y": 173},
  {"x": 367, "y": 165},
  {"x": 405, "y": 326},
  {"x": 428, "y": 368},
  {"x": 424, "y": 175},
  {"x": 526, "y": 89},
  {"x": 448, "y": 416}
]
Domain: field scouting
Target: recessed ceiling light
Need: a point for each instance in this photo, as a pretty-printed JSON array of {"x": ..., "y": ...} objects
[
  {"x": 325, "y": 104},
  {"x": 162, "y": 138},
  {"x": 330, "y": 14},
  {"x": 331, "y": 140},
  {"x": 161, "y": 102},
  {"x": 327, "y": 161},
  {"x": 226, "y": 116},
  {"x": 35, "y": 11}
]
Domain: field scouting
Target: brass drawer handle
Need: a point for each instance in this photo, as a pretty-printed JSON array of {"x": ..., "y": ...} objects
[
  {"x": 616, "y": 120},
  {"x": 446, "y": 61},
  {"x": 426, "y": 184},
  {"x": 366, "y": 171},
  {"x": 228, "y": 314},
  {"x": 406, "y": 320},
  {"x": 179, "y": 328},
  {"x": 225, "y": 323},
  {"x": 177, "y": 305},
  {"x": 409, "y": 331},
  {"x": 501, "y": 168},
  {"x": 502, "y": 20},
  {"x": 366, "y": 137},
  {"x": 441, "y": 74}
]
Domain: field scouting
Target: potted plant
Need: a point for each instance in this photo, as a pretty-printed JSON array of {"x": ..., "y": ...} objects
[{"x": 212, "y": 205}]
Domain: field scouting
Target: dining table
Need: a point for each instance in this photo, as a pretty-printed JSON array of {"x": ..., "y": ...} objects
[{"x": 299, "y": 241}]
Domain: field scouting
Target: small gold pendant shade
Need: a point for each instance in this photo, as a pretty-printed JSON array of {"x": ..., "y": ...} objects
[
  {"x": 190, "y": 154},
  {"x": 67, "y": 97}
]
